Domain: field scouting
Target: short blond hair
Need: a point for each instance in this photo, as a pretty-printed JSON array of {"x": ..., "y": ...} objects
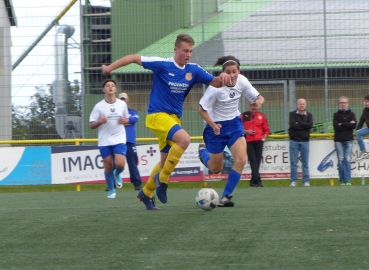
[
  {"x": 343, "y": 97},
  {"x": 184, "y": 38}
]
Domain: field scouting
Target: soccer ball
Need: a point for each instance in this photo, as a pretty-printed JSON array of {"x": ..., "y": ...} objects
[{"x": 207, "y": 199}]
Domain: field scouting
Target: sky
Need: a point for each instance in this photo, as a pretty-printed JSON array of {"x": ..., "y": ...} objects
[{"x": 37, "y": 69}]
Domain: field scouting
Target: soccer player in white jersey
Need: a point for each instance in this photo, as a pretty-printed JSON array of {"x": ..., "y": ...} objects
[
  {"x": 219, "y": 109},
  {"x": 173, "y": 80},
  {"x": 109, "y": 116}
]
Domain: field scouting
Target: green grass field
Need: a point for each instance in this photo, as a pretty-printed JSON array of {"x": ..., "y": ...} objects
[{"x": 276, "y": 227}]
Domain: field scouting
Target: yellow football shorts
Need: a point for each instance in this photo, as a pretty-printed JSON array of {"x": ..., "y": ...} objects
[{"x": 160, "y": 124}]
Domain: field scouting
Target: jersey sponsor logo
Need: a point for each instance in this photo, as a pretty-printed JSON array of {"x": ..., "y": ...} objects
[
  {"x": 112, "y": 109},
  {"x": 178, "y": 88},
  {"x": 170, "y": 74},
  {"x": 232, "y": 94},
  {"x": 178, "y": 84},
  {"x": 188, "y": 76}
]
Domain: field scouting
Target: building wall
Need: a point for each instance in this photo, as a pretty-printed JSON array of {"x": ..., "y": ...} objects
[
  {"x": 144, "y": 22},
  {"x": 5, "y": 75}
]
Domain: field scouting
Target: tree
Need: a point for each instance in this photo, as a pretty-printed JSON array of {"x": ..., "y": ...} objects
[
  {"x": 19, "y": 125},
  {"x": 37, "y": 120}
]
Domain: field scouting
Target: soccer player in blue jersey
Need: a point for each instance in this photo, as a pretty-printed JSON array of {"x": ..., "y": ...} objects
[
  {"x": 132, "y": 157},
  {"x": 219, "y": 109},
  {"x": 173, "y": 79}
]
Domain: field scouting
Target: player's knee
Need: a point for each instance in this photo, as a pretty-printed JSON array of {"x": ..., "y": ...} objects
[
  {"x": 108, "y": 167},
  {"x": 215, "y": 169},
  {"x": 241, "y": 161},
  {"x": 120, "y": 166},
  {"x": 184, "y": 142},
  {"x": 187, "y": 140}
]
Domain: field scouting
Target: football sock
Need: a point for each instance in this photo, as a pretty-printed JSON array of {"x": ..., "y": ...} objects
[
  {"x": 205, "y": 156},
  {"x": 109, "y": 177},
  {"x": 233, "y": 179},
  {"x": 118, "y": 171},
  {"x": 150, "y": 186},
  {"x": 173, "y": 158}
]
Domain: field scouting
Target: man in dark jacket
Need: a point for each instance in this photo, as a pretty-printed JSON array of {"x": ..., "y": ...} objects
[
  {"x": 344, "y": 122},
  {"x": 360, "y": 131},
  {"x": 301, "y": 122}
]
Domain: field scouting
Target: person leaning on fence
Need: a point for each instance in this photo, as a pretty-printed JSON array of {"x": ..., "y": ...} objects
[
  {"x": 360, "y": 131},
  {"x": 109, "y": 116},
  {"x": 219, "y": 108},
  {"x": 344, "y": 122},
  {"x": 255, "y": 125},
  {"x": 301, "y": 121},
  {"x": 132, "y": 157},
  {"x": 173, "y": 79}
]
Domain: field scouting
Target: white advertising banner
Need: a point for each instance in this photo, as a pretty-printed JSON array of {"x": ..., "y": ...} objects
[
  {"x": 275, "y": 162},
  {"x": 80, "y": 164}
]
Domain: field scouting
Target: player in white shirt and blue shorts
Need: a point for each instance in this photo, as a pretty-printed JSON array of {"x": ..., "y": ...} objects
[
  {"x": 219, "y": 109},
  {"x": 109, "y": 116}
]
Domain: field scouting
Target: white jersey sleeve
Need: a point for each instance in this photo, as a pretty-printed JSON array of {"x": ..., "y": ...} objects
[
  {"x": 209, "y": 98},
  {"x": 248, "y": 91},
  {"x": 95, "y": 114}
]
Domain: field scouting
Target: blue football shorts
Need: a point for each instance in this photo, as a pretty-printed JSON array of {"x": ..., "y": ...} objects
[
  {"x": 120, "y": 149},
  {"x": 229, "y": 133}
]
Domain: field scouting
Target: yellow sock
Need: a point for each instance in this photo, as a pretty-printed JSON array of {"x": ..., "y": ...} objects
[
  {"x": 173, "y": 158},
  {"x": 150, "y": 186}
]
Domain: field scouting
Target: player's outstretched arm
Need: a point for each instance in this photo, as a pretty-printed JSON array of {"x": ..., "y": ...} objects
[
  {"x": 259, "y": 101},
  {"x": 125, "y": 60}
]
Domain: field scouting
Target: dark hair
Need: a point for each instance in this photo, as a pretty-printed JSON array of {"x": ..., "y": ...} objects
[
  {"x": 227, "y": 61},
  {"x": 184, "y": 38},
  {"x": 108, "y": 80},
  {"x": 366, "y": 97}
]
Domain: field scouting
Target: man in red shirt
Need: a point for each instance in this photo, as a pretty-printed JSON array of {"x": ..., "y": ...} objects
[{"x": 255, "y": 125}]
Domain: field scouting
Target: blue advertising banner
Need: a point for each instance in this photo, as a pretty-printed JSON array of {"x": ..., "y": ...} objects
[{"x": 25, "y": 166}]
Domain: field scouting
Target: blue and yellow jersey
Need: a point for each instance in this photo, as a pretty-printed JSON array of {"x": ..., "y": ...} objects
[{"x": 172, "y": 83}]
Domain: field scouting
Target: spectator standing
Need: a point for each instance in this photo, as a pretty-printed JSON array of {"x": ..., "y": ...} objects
[
  {"x": 256, "y": 128},
  {"x": 132, "y": 157},
  {"x": 344, "y": 122},
  {"x": 301, "y": 121},
  {"x": 360, "y": 131}
]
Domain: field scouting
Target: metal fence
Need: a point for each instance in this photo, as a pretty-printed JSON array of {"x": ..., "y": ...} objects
[{"x": 52, "y": 52}]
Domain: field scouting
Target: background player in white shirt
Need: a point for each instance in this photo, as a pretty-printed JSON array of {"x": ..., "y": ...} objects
[
  {"x": 219, "y": 108},
  {"x": 109, "y": 116}
]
